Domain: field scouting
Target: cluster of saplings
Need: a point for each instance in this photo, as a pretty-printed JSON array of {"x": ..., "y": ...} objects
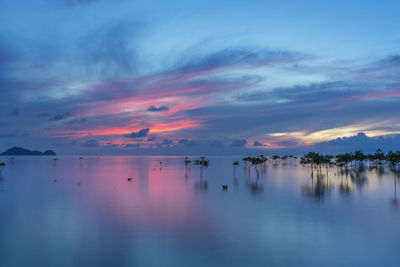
[
  {"x": 257, "y": 162},
  {"x": 351, "y": 159}
]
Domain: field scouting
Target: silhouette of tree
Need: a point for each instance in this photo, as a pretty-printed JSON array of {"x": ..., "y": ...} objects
[
  {"x": 257, "y": 162},
  {"x": 202, "y": 163}
]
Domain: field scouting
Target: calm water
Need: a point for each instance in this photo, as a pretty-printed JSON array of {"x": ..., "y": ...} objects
[{"x": 86, "y": 213}]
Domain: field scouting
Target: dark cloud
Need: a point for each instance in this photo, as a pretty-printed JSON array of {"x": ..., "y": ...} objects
[
  {"x": 288, "y": 143},
  {"x": 9, "y": 135},
  {"x": 110, "y": 50},
  {"x": 313, "y": 107},
  {"x": 393, "y": 60},
  {"x": 158, "y": 109},
  {"x": 91, "y": 143},
  {"x": 72, "y": 3},
  {"x": 8, "y": 54},
  {"x": 239, "y": 143},
  {"x": 14, "y": 112},
  {"x": 360, "y": 142},
  {"x": 167, "y": 142},
  {"x": 189, "y": 142},
  {"x": 44, "y": 115},
  {"x": 61, "y": 116},
  {"x": 15, "y": 134},
  {"x": 256, "y": 143},
  {"x": 141, "y": 133},
  {"x": 234, "y": 57},
  {"x": 132, "y": 146},
  {"x": 78, "y": 120}
]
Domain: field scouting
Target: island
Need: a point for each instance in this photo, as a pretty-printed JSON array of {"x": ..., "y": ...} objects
[{"x": 19, "y": 151}]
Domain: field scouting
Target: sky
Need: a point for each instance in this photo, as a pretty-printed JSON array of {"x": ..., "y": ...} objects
[{"x": 199, "y": 77}]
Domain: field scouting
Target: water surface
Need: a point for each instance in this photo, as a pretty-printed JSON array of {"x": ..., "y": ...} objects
[{"x": 73, "y": 212}]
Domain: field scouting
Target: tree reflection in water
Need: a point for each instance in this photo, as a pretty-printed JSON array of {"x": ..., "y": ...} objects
[
  {"x": 2, "y": 183},
  {"x": 254, "y": 184},
  {"x": 256, "y": 188},
  {"x": 202, "y": 185},
  {"x": 317, "y": 187},
  {"x": 345, "y": 186},
  {"x": 394, "y": 202}
]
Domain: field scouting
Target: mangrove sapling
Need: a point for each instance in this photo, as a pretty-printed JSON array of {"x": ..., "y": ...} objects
[
  {"x": 275, "y": 158},
  {"x": 187, "y": 167},
  {"x": 314, "y": 161},
  {"x": 187, "y": 161},
  {"x": 257, "y": 162},
  {"x": 202, "y": 163},
  {"x": 359, "y": 157},
  {"x": 344, "y": 159},
  {"x": 379, "y": 156},
  {"x": 235, "y": 164},
  {"x": 394, "y": 159}
]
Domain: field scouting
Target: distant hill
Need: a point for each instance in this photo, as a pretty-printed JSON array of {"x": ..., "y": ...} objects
[{"x": 19, "y": 151}]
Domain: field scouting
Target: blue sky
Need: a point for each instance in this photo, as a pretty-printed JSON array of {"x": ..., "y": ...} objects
[{"x": 177, "y": 77}]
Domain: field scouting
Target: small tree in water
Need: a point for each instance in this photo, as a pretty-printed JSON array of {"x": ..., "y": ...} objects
[
  {"x": 379, "y": 156},
  {"x": 187, "y": 165},
  {"x": 257, "y": 162},
  {"x": 187, "y": 161},
  {"x": 202, "y": 163},
  {"x": 394, "y": 159},
  {"x": 235, "y": 164}
]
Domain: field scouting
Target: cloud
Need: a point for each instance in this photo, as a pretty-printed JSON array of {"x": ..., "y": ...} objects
[
  {"x": 9, "y": 135},
  {"x": 256, "y": 143},
  {"x": 141, "y": 133},
  {"x": 360, "y": 142},
  {"x": 78, "y": 120},
  {"x": 224, "y": 94},
  {"x": 238, "y": 143},
  {"x": 137, "y": 146},
  {"x": 14, "y": 112},
  {"x": 110, "y": 51},
  {"x": 393, "y": 60},
  {"x": 167, "y": 142},
  {"x": 235, "y": 57},
  {"x": 91, "y": 143},
  {"x": 189, "y": 142},
  {"x": 158, "y": 109},
  {"x": 61, "y": 116},
  {"x": 44, "y": 115},
  {"x": 72, "y": 3}
]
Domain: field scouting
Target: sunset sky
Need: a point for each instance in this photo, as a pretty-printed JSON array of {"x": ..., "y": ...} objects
[{"x": 190, "y": 77}]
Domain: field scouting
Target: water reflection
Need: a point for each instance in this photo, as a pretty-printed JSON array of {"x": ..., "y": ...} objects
[
  {"x": 97, "y": 217},
  {"x": 254, "y": 181},
  {"x": 1, "y": 182},
  {"x": 348, "y": 179},
  {"x": 345, "y": 186},
  {"x": 317, "y": 186},
  {"x": 396, "y": 175},
  {"x": 255, "y": 187},
  {"x": 201, "y": 186}
]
